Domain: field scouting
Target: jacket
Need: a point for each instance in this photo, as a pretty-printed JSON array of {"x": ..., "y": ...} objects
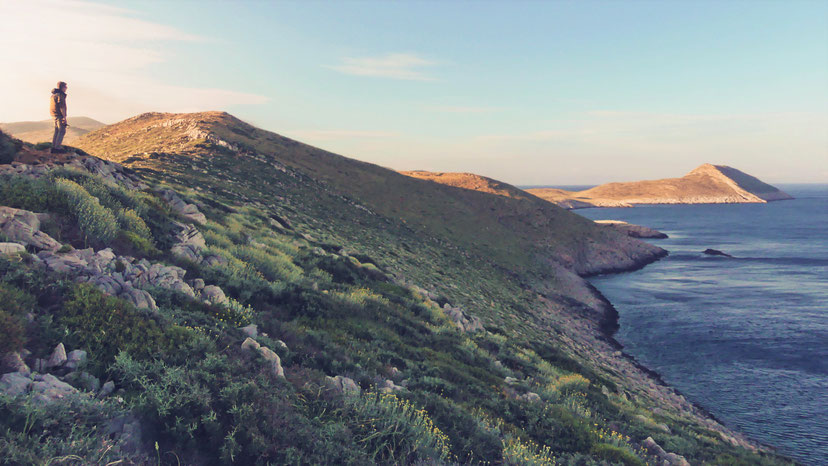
[{"x": 57, "y": 103}]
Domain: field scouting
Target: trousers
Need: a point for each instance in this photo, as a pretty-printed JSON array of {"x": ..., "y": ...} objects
[{"x": 60, "y": 131}]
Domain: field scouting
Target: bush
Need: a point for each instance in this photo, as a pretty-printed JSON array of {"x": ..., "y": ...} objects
[
  {"x": 34, "y": 433},
  {"x": 616, "y": 455},
  {"x": 8, "y": 148},
  {"x": 15, "y": 305},
  {"x": 394, "y": 431},
  {"x": 95, "y": 221},
  {"x": 105, "y": 326}
]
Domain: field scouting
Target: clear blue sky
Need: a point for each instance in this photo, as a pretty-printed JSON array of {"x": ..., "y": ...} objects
[{"x": 531, "y": 93}]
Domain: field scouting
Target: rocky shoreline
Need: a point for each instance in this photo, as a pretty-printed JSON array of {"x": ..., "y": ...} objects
[{"x": 608, "y": 327}]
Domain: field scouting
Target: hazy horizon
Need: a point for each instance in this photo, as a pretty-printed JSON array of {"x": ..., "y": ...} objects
[{"x": 558, "y": 93}]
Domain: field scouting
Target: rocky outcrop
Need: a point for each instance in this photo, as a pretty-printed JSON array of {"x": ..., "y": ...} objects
[
  {"x": 22, "y": 226},
  {"x": 634, "y": 231},
  {"x": 109, "y": 171},
  {"x": 181, "y": 207},
  {"x": 715, "y": 252}
]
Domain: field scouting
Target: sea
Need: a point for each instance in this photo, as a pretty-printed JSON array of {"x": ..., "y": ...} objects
[{"x": 744, "y": 337}]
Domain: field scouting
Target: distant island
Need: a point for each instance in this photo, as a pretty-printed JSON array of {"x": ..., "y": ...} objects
[
  {"x": 41, "y": 131},
  {"x": 707, "y": 184}
]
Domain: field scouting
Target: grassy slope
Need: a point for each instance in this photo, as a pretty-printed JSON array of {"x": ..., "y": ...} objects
[{"x": 447, "y": 240}]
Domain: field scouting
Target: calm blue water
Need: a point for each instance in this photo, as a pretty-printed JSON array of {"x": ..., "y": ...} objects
[{"x": 746, "y": 338}]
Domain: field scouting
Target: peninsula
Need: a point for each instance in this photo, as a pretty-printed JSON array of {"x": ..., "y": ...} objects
[{"x": 707, "y": 184}]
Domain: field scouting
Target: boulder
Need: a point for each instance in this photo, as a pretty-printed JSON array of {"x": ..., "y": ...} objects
[
  {"x": 178, "y": 205},
  {"x": 214, "y": 295},
  {"x": 250, "y": 344},
  {"x": 12, "y": 248},
  {"x": 75, "y": 359},
  {"x": 670, "y": 459},
  {"x": 58, "y": 356},
  {"x": 463, "y": 321},
  {"x": 48, "y": 389},
  {"x": 14, "y": 361},
  {"x": 530, "y": 397},
  {"x": 343, "y": 385},
  {"x": 106, "y": 389},
  {"x": 22, "y": 226},
  {"x": 251, "y": 330},
  {"x": 15, "y": 383},
  {"x": 388, "y": 386}
]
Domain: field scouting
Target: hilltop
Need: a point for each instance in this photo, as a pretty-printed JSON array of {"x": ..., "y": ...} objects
[
  {"x": 41, "y": 131},
  {"x": 196, "y": 290},
  {"x": 707, "y": 184}
]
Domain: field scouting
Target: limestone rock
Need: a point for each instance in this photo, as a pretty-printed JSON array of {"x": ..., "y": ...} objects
[
  {"x": 58, "y": 356},
  {"x": 15, "y": 383},
  {"x": 670, "y": 459},
  {"x": 22, "y": 226},
  {"x": 12, "y": 248},
  {"x": 188, "y": 211},
  {"x": 251, "y": 330},
  {"x": 250, "y": 344},
  {"x": 463, "y": 321},
  {"x": 214, "y": 295},
  {"x": 75, "y": 359},
  {"x": 14, "y": 361},
  {"x": 388, "y": 386},
  {"x": 343, "y": 385},
  {"x": 530, "y": 397},
  {"x": 48, "y": 389},
  {"x": 106, "y": 389}
]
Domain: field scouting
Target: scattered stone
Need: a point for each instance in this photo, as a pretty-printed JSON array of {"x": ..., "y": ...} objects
[
  {"x": 343, "y": 385},
  {"x": 22, "y": 226},
  {"x": 510, "y": 380},
  {"x": 670, "y": 459},
  {"x": 15, "y": 362},
  {"x": 388, "y": 386},
  {"x": 530, "y": 397},
  {"x": 465, "y": 322},
  {"x": 75, "y": 359},
  {"x": 250, "y": 344},
  {"x": 106, "y": 389},
  {"x": 251, "y": 330},
  {"x": 48, "y": 389},
  {"x": 58, "y": 356},
  {"x": 214, "y": 295},
  {"x": 188, "y": 211},
  {"x": 11, "y": 248},
  {"x": 127, "y": 429},
  {"x": 15, "y": 383}
]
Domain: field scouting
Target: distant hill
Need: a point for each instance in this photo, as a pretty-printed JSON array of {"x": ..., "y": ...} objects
[
  {"x": 707, "y": 184},
  {"x": 41, "y": 131}
]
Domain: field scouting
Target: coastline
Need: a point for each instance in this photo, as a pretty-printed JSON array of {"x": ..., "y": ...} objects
[{"x": 608, "y": 327}]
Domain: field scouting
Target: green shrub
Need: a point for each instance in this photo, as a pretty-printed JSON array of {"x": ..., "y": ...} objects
[
  {"x": 13, "y": 332},
  {"x": 37, "y": 195},
  {"x": 394, "y": 431},
  {"x": 34, "y": 433},
  {"x": 616, "y": 455},
  {"x": 95, "y": 221},
  {"x": 105, "y": 326},
  {"x": 8, "y": 148},
  {"x": 15, "y": 305}
]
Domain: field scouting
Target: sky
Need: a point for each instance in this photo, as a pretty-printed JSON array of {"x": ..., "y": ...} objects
[{"x": 531, "y": 93}]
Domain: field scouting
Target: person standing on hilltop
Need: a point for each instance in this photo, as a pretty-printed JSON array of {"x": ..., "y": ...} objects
[{"x": 58, "y": 108}]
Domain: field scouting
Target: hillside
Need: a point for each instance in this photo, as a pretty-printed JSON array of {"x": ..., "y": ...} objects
[
  {"x": 41, "y": 131},
  {"x": 226, "y": 295},
  {"x": 707, "y": 184}
]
